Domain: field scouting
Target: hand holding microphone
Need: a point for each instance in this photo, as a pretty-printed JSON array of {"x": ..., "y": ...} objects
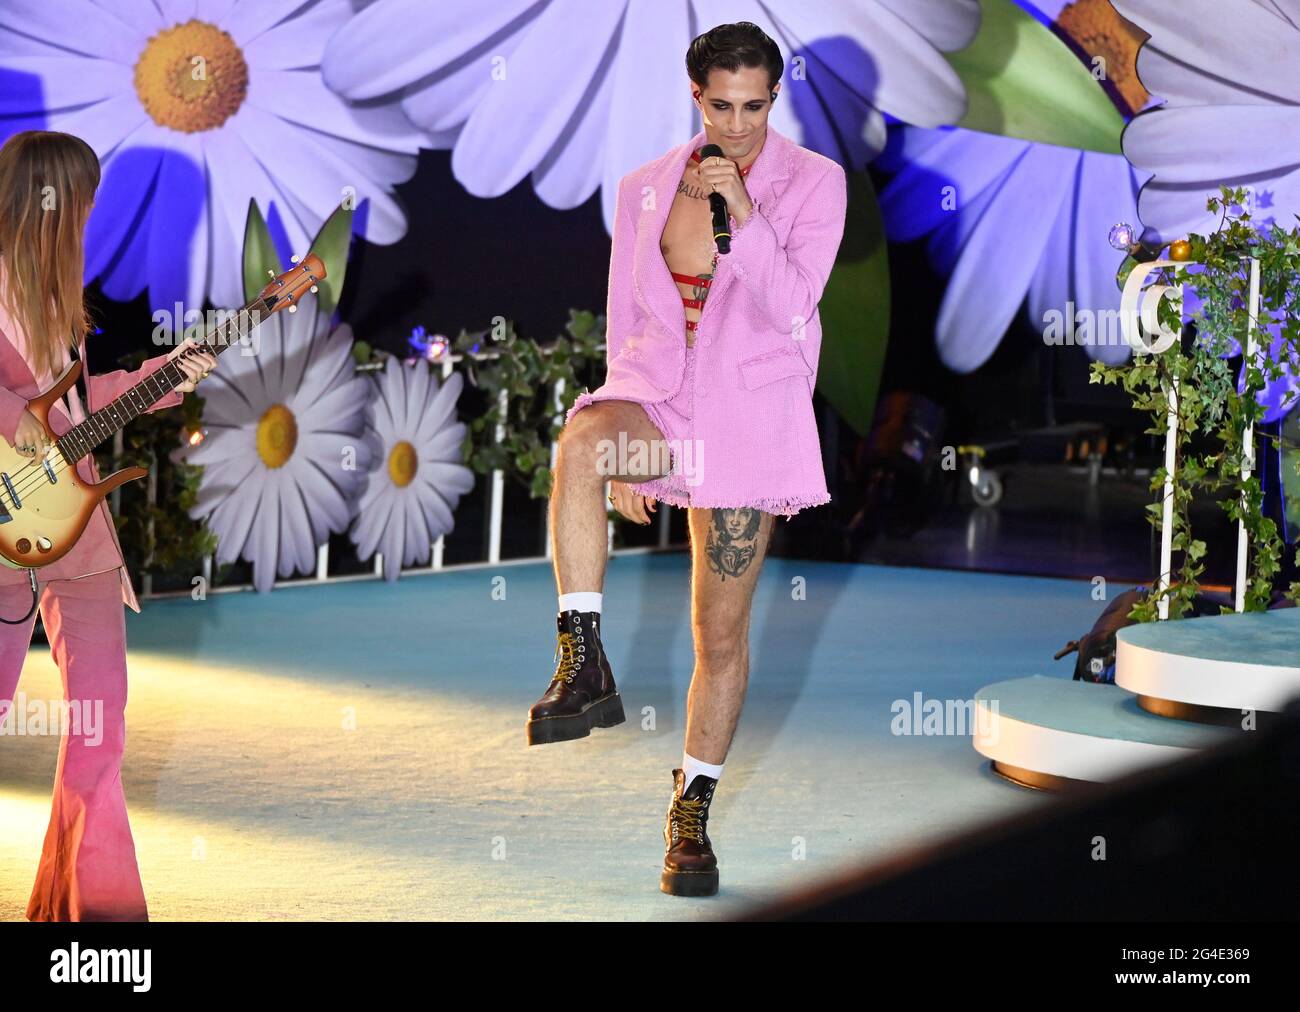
[{"x": 727, "y": 193}]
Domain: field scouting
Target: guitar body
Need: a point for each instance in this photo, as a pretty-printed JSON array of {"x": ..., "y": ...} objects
[{"x": 47, "y": 517}]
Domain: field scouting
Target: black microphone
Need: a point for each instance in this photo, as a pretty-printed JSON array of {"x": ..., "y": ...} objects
[{"x": 721, "y": 228}]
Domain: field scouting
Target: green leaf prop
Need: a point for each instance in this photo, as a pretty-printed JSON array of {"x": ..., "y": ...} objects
[
  {"x": 1022, "y": 81},
  {"x": 331, "y": 244},
  {"x": 259, "y": 253},
  {"x": 855, "y": 311}
]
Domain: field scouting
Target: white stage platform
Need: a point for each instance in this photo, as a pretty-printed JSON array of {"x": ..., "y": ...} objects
[{"x": 1180, "y": 686}]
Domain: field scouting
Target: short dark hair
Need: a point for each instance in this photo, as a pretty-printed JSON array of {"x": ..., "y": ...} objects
[{"x": 730, "y": 47}]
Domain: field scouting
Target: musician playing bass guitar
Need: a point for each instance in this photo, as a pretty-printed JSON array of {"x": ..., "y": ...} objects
[{"x": 87, "y": 869}]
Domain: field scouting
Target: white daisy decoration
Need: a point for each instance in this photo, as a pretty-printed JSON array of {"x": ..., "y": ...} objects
[
  {"x": 284, "y": 454},
  {"x": 194, "y": 107},
  {"x": 417, "y": 479},
  {"x": 1228, "y": 81}
]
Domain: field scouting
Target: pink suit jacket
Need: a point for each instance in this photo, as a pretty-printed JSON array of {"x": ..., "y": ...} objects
[
  {"x": 98, "y": 548},
  {"x": 759, "y": 335}
]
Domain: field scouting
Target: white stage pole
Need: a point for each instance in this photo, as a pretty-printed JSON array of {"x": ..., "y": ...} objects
[
  {"x": 1131, "y": 319},
  {"x": 1248, "y": 437},
  {"x": 498, "y": 487},
  {"x": 1167, "y": 511},
  {"x": 557, "y": 403},
  {"x": 435, "y": 559}
]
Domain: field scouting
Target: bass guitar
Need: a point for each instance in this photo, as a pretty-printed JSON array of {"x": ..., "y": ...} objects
[{"x": 44, "y": 504}]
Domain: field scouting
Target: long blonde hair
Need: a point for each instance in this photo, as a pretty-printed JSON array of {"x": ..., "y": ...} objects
[{"x": 47, "y": 185}]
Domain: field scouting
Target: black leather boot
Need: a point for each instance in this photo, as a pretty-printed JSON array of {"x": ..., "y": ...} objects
[
  {"x": 582, "y": 694},
  {"x": 690, "y": 867}
]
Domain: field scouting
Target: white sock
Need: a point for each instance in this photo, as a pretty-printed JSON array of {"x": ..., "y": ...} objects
[
  {"x": 581, "y": 600},
  {"x": 692, "y": 766}
]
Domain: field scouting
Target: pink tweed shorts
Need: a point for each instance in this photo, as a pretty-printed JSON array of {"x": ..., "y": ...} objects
[{"x": 673, "y": 418}]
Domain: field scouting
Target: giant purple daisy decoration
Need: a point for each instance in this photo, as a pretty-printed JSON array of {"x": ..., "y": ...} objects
[
  {"x": 194, "y": 108},
  {"x": 1228, "y": 82},
  {"x": 1016, "y": 223}
]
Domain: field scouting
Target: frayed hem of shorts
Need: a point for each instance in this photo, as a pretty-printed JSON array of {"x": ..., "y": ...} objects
[
  {"x": 786, "y": 507},
  {"x": 580, "y": 402}
]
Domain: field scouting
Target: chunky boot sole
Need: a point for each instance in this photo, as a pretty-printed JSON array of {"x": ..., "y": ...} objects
[
  {"x": 607, "y": 712},
  {"x": 689, "y": 883}
]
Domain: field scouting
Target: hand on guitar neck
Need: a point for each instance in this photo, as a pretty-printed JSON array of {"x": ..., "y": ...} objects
[
  {"x": 195, "y": 363},
  {"x": 31, "y": 439}
]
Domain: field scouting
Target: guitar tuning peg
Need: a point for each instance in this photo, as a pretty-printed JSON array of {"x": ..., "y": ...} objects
[
  {"x": 270, "y": 273},
  {"x": 295, "y": 258},
  {"x": 293, "y": 308},
  {"x": 313, "y": 288}
]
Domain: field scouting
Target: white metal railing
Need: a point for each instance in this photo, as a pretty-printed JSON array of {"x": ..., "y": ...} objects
[
  {"x": 1130, "y": 318},
  {"x": 496, "y": 504}
]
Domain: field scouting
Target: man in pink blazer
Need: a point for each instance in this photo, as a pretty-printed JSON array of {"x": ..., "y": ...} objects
[{"x": 707, "y": 405}]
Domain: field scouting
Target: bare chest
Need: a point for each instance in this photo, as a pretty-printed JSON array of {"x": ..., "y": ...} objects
[{"x": 687, "y": 240}]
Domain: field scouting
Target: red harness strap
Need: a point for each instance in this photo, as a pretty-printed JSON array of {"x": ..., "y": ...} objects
[{"x": 698, "y": 282}]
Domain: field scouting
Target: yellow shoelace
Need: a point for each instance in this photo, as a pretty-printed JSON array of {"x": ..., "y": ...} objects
[
  {"x": 688, "y": 816},
  {"x": 570, "y": 664}
]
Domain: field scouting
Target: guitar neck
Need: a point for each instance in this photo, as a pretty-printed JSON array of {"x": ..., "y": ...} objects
[{"x": 100, "y": 425}]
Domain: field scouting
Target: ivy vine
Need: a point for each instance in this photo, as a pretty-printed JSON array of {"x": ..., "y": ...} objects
[
  {"x": 527, "y": 371},
  {"x": 1217, "y": 391}
]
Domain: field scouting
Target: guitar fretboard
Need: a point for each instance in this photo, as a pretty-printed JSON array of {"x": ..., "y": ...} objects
[{"x": 100, "y": 425}]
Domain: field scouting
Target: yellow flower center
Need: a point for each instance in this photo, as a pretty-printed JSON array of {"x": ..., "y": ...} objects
[
  {"x": 1100, "y": 31},
  {"x": 191, "y": 77},
  {"x": 277, "y": 435},
  {"x": 402, "y": 464}
]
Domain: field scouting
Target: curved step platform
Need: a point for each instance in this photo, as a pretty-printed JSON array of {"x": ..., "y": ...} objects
[
  {"x": 1212, "y": 668},
  {"x": 1053, "y": 732},
  {"x": 1179, "y": 686}
]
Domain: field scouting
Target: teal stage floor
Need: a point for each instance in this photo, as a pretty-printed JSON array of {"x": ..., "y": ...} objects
[{"x": 357, "y": 750}]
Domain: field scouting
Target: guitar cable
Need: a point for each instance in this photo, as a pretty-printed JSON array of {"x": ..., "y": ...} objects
[{"x": 31, "y": 576}]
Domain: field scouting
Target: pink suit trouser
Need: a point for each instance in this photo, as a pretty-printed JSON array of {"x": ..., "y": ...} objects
[{"x": 88, "y": 867}]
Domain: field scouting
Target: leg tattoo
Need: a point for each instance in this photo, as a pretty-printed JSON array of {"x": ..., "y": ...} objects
[{"x": 732, "y": 543}]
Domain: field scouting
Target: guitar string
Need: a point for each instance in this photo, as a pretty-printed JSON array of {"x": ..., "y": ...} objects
[
  {"x": 32, "y": 477},
  {"x": 38, "y": 477},
  {"x": 26, "y": 484}
]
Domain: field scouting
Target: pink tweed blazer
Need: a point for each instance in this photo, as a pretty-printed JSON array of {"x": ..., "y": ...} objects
[
  {"x": 759, "y": 335},
  {"x": 98, "y": 550}
]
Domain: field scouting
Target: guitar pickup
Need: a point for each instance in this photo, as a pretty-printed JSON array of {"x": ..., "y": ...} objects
[
  {"x": 9, "y": 487},
  {"x": 49, "y": 471}
]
